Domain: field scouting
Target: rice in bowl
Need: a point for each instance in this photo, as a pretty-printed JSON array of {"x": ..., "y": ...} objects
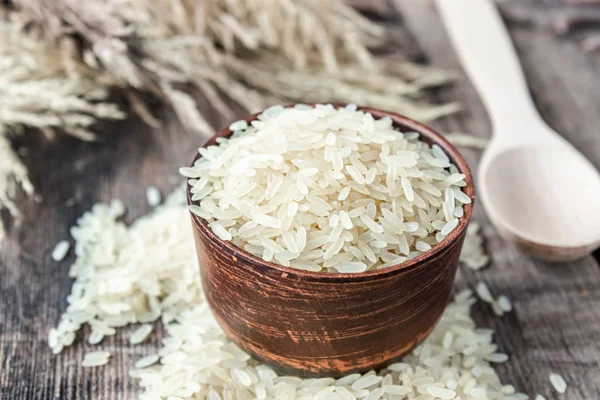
[{"x": 327, "y": 189}]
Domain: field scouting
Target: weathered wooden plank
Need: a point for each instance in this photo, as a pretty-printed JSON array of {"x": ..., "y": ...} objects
[
  {"x": 33, "y": 288},
  {"x": 556, "y": 322}
]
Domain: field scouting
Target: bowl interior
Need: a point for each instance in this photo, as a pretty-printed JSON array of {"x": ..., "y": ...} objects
[{"x": 402, "y": 123}]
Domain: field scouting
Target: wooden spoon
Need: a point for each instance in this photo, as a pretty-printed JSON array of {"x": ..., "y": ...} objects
[{"x": 536, "y": 187}]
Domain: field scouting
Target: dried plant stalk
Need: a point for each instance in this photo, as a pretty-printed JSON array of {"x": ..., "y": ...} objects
[
  {"x": 12, "y": 174},
  {"x": 36, "y": 91},
  {"x": 60, "y": 57},
  {"x": 254, "y": 52}
]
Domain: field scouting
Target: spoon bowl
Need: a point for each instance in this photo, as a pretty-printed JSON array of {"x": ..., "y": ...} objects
[{"x": 544, "y": 197}]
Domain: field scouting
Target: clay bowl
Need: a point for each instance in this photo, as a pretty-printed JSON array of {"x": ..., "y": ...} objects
[{"x": 316, "y": 324}]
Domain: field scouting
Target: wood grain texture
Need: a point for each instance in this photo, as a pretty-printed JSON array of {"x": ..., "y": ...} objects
[
  {"x": 556, "y": 322},
  {"x": 555, "y": 326},
  {"x": 318, "y": 324},
  {"x": 33, "y": 288}
]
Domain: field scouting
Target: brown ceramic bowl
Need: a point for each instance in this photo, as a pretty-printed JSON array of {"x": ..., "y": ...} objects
[{"x": 313, "y": 323}]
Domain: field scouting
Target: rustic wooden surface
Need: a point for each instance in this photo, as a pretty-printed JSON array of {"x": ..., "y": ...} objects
[{"x": 556, "y": 322}]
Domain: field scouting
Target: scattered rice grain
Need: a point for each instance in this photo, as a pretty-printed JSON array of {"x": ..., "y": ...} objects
[
  {"x": 558, "y": 383},
  {"x": 153, "y": 196},
  {"x": 60, "y": 250}
]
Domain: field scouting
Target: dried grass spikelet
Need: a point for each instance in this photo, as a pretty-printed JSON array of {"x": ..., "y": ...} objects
[
  {"x": 254, "y": 52},
  {"x": 40, "y": 89},
  {"x": 12, "y": 174}
]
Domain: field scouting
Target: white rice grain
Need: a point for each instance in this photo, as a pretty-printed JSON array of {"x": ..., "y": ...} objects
[
  {"x": 267, "y": 221},
  {"x": 60, "y": 250},
  {"x": 292, "y": 209},
  {"x": 141, "y": 334},
  {"x": 422, "y": 246},
  {"x": 441, "y": 393},
  {"x": 95, "y": 359},
  {"x": 351, "y": 267},
  {"x": 95, "y": 337},
  {"x": 558, "y": 383},
  {"x": 220, "y": 230},
  {"x": 366, "y": 382},
  {"x": 238, "y": 125},
  {"x": 497, "y": 357},
  {"x": 146, "y": 361},
  {"x": 483, "y": 291},
  {"x": 504, "y": 303},
  {"x": 460, "y": 196},
  {"x": 449, "y": 227},
  {"x": 241, "y": 376},
  {"x": 153, "y": 196}
]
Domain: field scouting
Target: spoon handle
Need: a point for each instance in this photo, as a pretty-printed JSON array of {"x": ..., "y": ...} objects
[{"x": 487, "y": 55}]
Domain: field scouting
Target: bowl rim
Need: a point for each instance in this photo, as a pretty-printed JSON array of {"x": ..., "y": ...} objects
[{"x": 399, "y": 121}]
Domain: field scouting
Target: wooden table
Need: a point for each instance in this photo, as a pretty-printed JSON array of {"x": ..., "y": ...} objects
[{"x": 556, "y": 322}]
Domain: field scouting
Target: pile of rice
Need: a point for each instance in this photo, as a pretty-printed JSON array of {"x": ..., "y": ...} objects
[
  {"x": 148, "y": 271},
  {"x": 326, "y": 189}
]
